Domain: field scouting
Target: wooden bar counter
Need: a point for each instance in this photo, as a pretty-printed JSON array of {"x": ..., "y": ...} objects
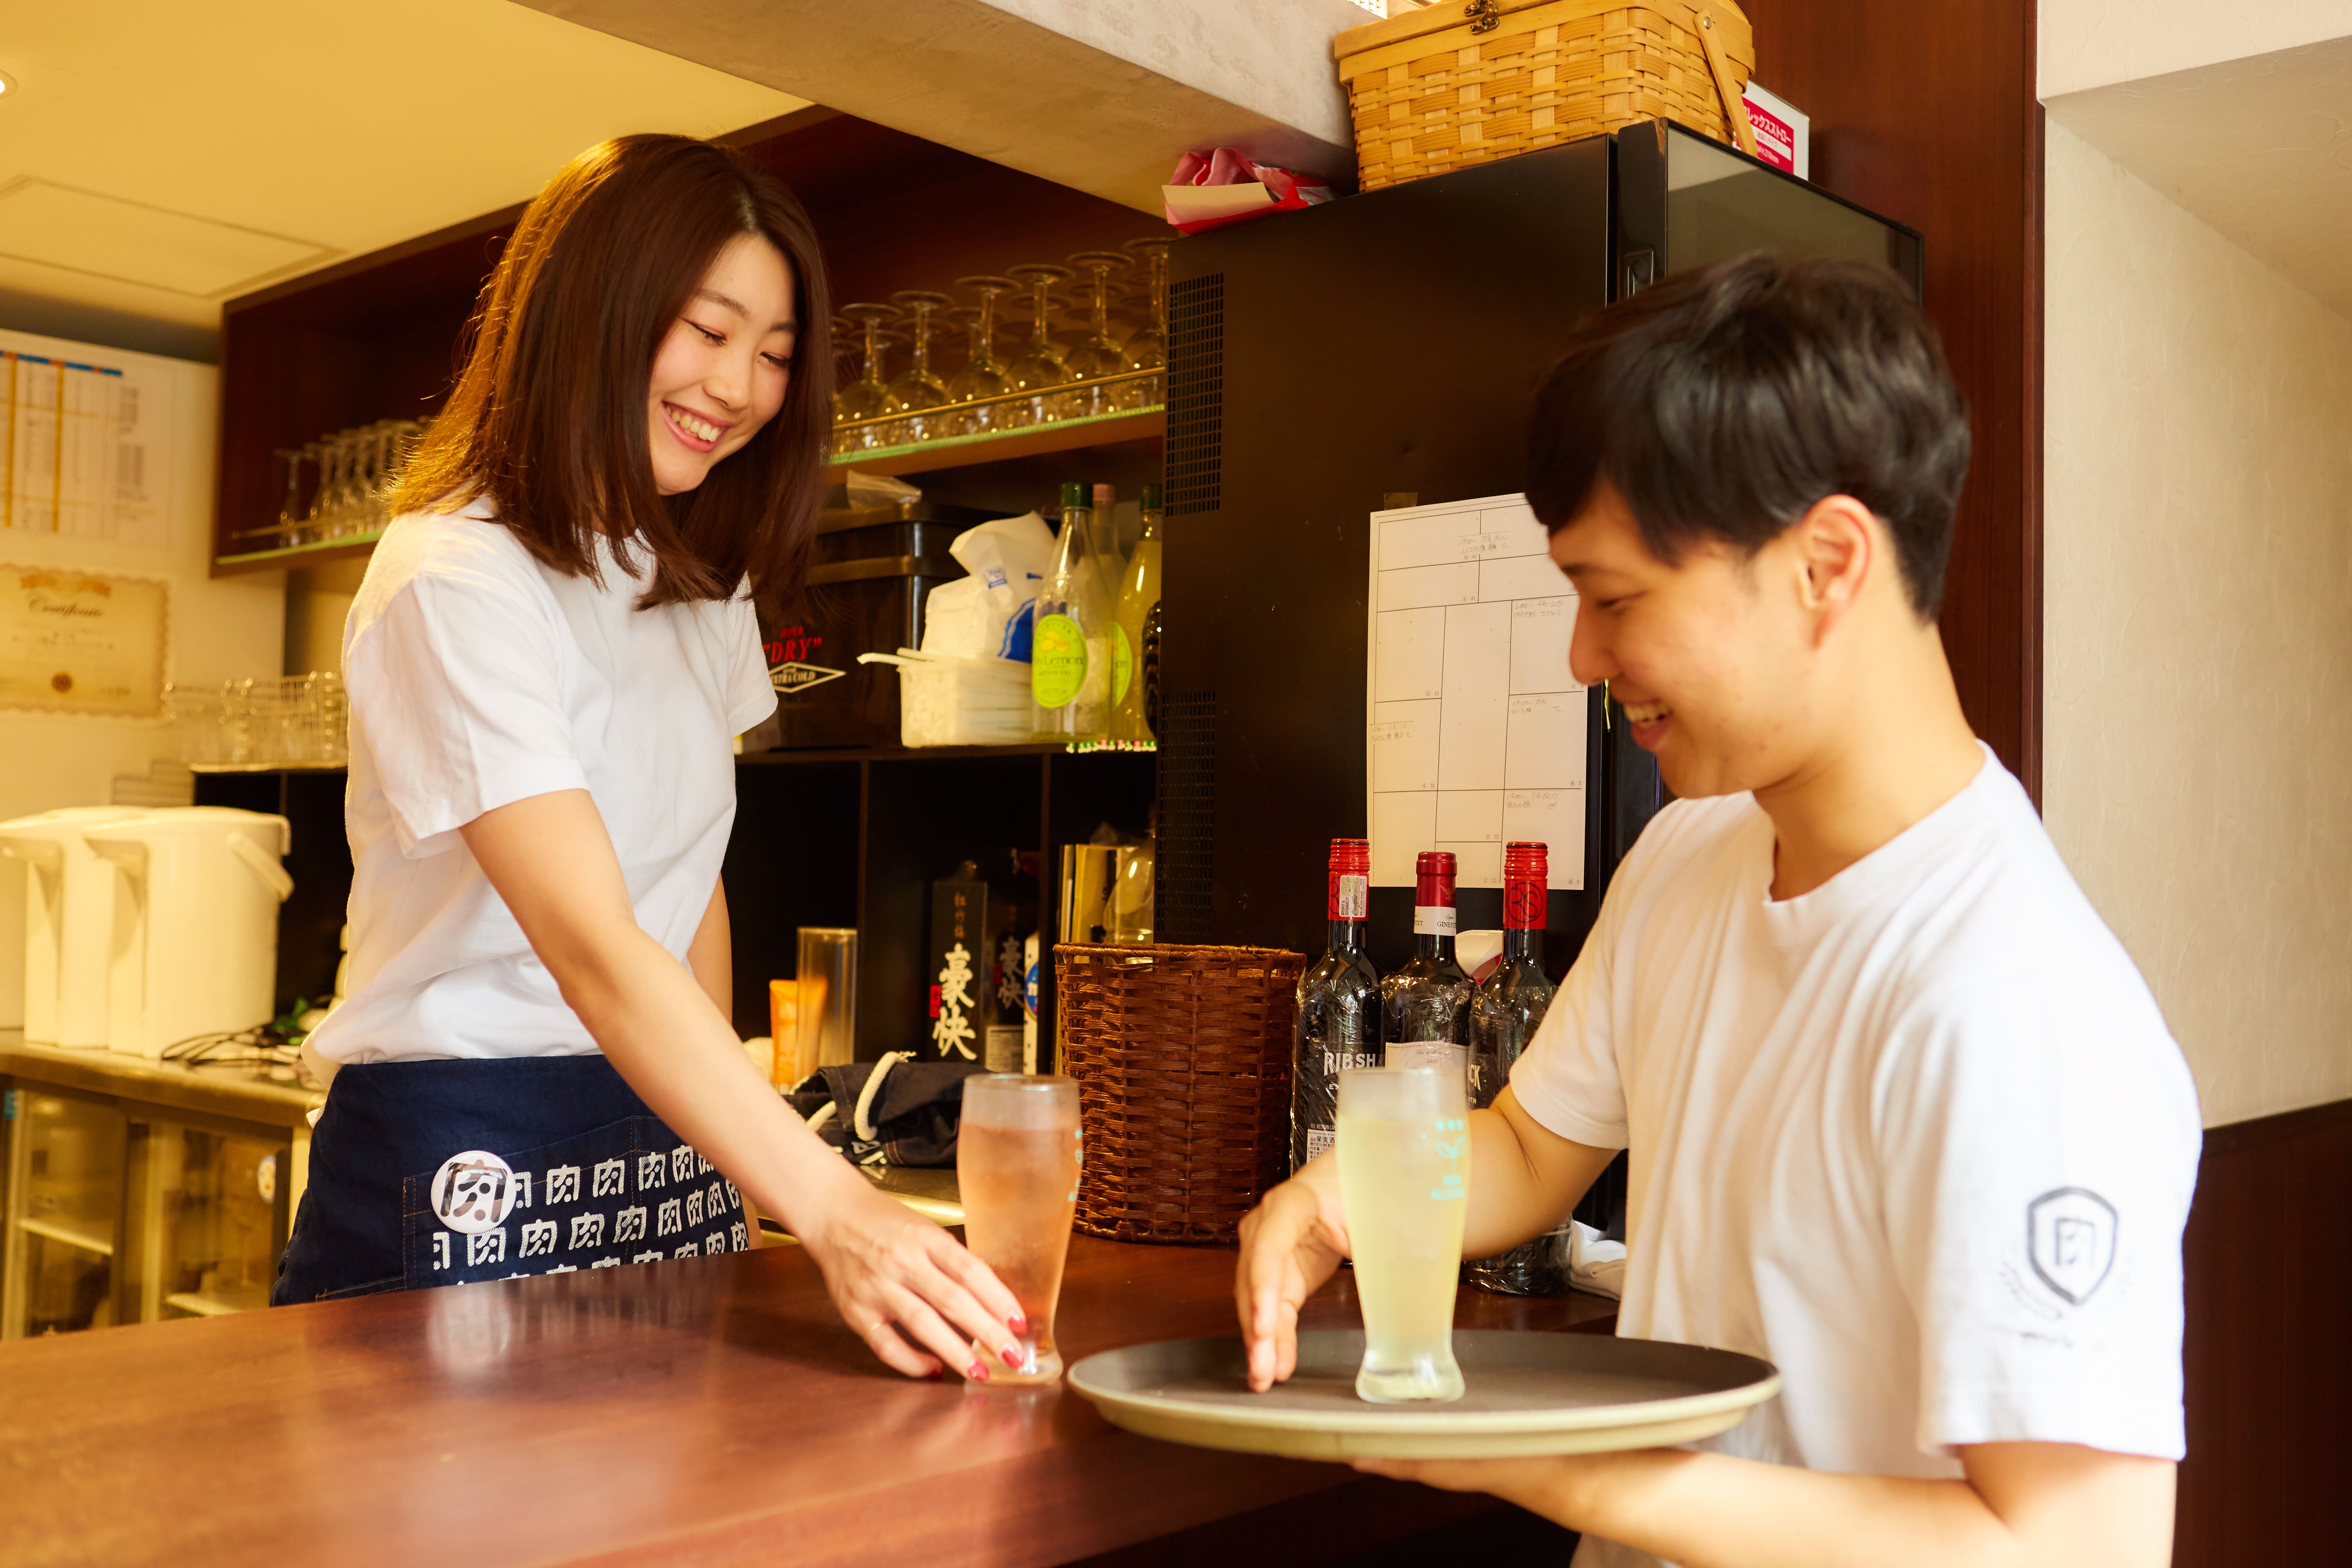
[{"x": 706, "y": 1411}]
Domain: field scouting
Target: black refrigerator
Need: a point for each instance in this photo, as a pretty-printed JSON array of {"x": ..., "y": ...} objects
[{"x": 1374, "y": 353}]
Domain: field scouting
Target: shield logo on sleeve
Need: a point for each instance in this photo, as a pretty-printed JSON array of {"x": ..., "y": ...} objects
[{"x": 2070, "y": 1235}]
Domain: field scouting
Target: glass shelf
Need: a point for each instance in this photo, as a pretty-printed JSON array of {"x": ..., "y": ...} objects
[
  {"x": 987, "y": 446},
  {"x": 343, "y": 548},
  {"x": 914, "y": 456}
]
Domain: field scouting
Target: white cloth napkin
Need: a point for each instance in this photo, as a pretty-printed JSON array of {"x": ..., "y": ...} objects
[{"x": 1594, "y": 1262}]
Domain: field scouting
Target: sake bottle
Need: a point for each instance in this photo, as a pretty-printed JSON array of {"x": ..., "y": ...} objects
[
  {"x": 1139, "y": 593},
  {"x": 1071, "y": 647}
]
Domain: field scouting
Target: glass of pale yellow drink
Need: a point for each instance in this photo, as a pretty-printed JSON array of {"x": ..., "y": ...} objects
[
  {"x": 1404, "y": 1175},
  {"x": 1017, "y": 1167}
]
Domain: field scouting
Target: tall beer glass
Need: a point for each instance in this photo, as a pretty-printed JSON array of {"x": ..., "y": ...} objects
[
  {"x": 1017, "y": 1164},
  {"x": 1404, "y": 1174}
]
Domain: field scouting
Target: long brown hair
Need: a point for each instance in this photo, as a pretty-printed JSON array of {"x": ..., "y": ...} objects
[{"x": 548, "y": 417}]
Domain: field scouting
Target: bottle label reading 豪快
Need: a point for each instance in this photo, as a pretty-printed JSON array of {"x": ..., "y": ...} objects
[
  {"x": 1430, "y": 920},
  {"x": 1351, "y": 897},
  {"x": 1058, "y": 661}
]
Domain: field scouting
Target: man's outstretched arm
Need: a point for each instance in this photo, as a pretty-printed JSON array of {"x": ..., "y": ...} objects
[{"x": 2023, "y": 1505}]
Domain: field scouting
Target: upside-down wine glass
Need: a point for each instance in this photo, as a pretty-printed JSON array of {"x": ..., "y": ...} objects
[
  {"x": 1147, "y": 349},
  {"x": 290, "y": 511},
  {"x": 1040, "y": 364},
  {"x": 917, "y": 388},
  {"x": 1099, "y": 354},
  {"x": 981, "y": 375},
  {"x": 328, "y": 451},
  {"x": 868, "y": 397}
]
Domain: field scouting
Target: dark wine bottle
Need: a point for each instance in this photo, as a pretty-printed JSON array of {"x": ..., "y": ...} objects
[
  {"x": 1338, "y": 1007},
  {"x": 1504, "y": 1013},
  {"x": 1425, "y": 1002}
]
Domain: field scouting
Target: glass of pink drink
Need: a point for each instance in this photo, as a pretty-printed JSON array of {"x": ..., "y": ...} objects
[{"x": 1017, "y": 1165}]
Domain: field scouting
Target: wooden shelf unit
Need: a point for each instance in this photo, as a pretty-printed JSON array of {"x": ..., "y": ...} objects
[
  {"x": 378, "y": 337},
  {"x": 837, "y": 836},
  {"x": 833, "y": 838}
]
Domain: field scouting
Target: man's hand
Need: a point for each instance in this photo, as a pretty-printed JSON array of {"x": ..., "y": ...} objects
[
  {"x": 1291, "y": 1243},
  {"x": 1523, "y": 1181}
]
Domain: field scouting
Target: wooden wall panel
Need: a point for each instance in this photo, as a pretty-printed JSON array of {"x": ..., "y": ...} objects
[
  {"x": 1926, "y": 113},
  {"x": 2269, "y": 1355}
]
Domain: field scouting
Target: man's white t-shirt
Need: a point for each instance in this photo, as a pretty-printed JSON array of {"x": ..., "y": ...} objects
[
  {"x": 477, "y": 678},
  {"x": 1918, "y": 1137}
]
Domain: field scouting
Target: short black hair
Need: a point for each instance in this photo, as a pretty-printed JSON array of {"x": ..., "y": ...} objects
[{"x": 1725, "y": 401}]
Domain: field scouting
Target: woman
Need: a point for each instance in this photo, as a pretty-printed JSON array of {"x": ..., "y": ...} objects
[{"x": 555, "y": 646}]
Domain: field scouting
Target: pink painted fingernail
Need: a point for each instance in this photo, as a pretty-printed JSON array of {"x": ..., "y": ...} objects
[
  {"x": 937, "y": 1374},
  {"x": 1019, "y": 1325},
  {"x": 977, "y": 1373},
  {"x": 1012, "y": 1355}
]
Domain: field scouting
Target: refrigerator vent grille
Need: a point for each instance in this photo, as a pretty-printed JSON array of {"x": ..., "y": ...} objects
[
  {"x": 1196, "y": 394},
  {"x": 1188, "y": 815}
]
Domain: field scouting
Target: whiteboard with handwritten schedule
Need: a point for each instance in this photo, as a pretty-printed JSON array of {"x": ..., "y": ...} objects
[{"x": 1476, "y": 729}]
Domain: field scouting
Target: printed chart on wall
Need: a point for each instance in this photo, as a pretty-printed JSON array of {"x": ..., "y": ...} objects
[
  {"x": 1476, "y": 728},
  {"x": 81, "y": 454}
]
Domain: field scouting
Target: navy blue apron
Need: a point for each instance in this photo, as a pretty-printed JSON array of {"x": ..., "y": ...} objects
[{"x": 446, "y": 1172}]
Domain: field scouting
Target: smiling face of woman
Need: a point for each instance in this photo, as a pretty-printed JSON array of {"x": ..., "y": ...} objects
[{"x": 722, "y": 367}]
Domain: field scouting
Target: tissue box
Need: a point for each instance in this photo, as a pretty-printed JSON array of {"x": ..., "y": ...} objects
[
  {"x": 949, "y": 701},
  {"x": 870, "y": 570}
]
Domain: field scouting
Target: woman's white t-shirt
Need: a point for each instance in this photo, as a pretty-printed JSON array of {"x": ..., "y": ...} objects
[
  {"x": 477, "y": 678},
  {"x": 1919, "y": 1137}
]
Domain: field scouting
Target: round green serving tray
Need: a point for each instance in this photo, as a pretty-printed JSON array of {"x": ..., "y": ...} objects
[{"x": 1528, "y": 1393}]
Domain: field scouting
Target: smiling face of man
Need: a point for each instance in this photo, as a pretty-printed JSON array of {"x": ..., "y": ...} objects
[{"x": 1713, "y": 658}]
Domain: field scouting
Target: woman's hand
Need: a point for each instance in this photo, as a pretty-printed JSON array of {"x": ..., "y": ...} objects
[
  {"x": 905, "y": 1286},
  {"x": 1291, "y": 1243}
]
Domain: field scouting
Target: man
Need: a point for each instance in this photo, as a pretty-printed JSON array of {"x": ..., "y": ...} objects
[{"x": 1903, "y": 1117}]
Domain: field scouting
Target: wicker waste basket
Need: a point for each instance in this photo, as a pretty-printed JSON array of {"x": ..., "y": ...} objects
[
  {"x": 1459, "y": 84},
  {"x": 1182, "y": 1058}
]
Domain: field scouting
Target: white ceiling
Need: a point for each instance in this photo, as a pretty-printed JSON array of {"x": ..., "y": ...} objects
[
  {"x": 2260, "y": 148},
  {"x": 158, "y": 157}
]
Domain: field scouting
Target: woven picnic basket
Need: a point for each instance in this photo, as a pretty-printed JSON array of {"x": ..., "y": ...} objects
[
  {"x": 1455, "y": 84},
  {"x": 1182, "y": 1058}
]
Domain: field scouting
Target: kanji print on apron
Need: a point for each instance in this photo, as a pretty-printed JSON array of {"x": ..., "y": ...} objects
[{"x": 626, "y": 1192}]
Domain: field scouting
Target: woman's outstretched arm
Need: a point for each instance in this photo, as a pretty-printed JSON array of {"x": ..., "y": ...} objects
[{"x": 898, "y": 1281}]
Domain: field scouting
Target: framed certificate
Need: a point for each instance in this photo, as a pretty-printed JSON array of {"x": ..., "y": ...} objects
[{"x": 83, "y": 642}]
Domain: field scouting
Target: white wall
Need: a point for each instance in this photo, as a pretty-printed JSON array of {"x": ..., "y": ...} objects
[
  {"x": 2198, "y": 644},
  {"x": 220, "y": 630},
  {"x": 2095, "y": 43}
]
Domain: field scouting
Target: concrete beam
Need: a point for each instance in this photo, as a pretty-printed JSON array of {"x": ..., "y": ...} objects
[
  {"x": 1099, "y": 96},
  {"x": 2259, "y": 148}
]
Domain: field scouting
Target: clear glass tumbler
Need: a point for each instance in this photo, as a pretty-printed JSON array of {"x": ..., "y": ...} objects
[
  {"x": 1404, "y": 1175},
  {"x": 1018, "y": 1169},
  {"x": 827, "y": 1013}
]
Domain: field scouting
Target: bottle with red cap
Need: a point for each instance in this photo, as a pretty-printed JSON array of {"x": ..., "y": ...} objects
[
  {"x": 1504, "y": 1012},
  {"x": 1425, "y": 1002},
  {"x": 1339, "y": 1023}
]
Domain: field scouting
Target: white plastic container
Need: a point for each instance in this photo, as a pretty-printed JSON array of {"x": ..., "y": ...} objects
[
  {"x": 70, "y": 893},
  {"x": 195, "y": 948},
  {"x": 944, "y": 700}
]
